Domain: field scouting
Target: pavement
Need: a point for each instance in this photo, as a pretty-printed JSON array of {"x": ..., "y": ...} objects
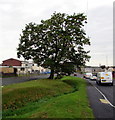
[{"x": 13, "y": 80}]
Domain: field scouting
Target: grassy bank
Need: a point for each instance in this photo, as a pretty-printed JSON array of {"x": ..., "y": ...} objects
[{"x": 65, "y": 98}]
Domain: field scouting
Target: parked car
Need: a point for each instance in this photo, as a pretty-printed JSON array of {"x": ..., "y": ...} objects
[
  {"x": 104, "y": 77},
  {"x": 88, "y": 75},
  {"x": 93, "y": 77}
]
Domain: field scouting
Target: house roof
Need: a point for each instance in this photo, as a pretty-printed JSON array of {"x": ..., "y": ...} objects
[{"x": 11, "y": 59}]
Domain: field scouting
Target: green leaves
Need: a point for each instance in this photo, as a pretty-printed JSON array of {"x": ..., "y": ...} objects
[{"x": 58, "y": 39}]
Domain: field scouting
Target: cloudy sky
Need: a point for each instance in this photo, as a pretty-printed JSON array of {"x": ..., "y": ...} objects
[{"x": 14, "y": 14}]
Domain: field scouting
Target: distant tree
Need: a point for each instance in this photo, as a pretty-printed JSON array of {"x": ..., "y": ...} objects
[
  {"x": 68, "y": 68},
  {"x": 103, "y": 66},
  {"x": 55, "y": 41}
]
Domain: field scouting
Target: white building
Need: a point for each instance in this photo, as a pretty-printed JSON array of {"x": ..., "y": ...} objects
[{"x": 28, "y": 67}]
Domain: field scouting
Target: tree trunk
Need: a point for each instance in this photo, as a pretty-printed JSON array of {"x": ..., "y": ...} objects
[{"x": 51, "y": 74}]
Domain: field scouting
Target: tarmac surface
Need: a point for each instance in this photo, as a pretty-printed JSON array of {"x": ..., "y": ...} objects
[
  {"x": 13, "y": 80},
  {"x": 101, "y": 99}
]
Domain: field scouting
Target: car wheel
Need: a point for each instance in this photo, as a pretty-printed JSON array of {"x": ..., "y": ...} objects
[
  {"x": 111, "y": 84},
  {"x": 97, "y": 82}
]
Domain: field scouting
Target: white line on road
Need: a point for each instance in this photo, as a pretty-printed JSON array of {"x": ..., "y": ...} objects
[{"x": 103, "y": 96}]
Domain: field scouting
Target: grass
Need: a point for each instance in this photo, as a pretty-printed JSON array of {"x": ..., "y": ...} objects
[
  {"x": 17, "y": 95},
  {"x": 65, "y": 98}
]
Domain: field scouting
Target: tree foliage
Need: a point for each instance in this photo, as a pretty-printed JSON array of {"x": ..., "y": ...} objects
[
  {"x": 68, "y": 68},
  {"x": 55, "y": 41},
  {"x": 103, "y": 66}
]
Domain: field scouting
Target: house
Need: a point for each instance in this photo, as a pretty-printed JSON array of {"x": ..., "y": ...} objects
[
  {"x": 26, "y": 68},
  {"x": 10, "y": 66},
  {"x": 11, "y": 62},
  {"x": 31, "y": 67},
  {"x": 36, "y": 68},
  {"x": 95, "y": 69},
  {"x": 92, "y": 69},
  {"x": 22, "y": 67}
]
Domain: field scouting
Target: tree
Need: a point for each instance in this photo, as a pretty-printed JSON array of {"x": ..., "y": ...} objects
[
  {"x": 103, "y": 66},
  {"x": 55, "y": 41},
  {"x": 68, "y": 68}
]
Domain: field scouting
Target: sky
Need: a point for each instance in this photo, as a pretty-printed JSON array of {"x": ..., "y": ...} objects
[{"x": 15, "y": 14}]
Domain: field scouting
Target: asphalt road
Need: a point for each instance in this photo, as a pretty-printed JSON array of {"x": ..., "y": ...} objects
[
  {"x": 101, "y": 99},
  {"x": 12, "y": 80},
  {"x": 96, "y": 99}
]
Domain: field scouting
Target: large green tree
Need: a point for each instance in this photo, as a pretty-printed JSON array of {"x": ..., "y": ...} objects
[{"x": 55, "y": 41}]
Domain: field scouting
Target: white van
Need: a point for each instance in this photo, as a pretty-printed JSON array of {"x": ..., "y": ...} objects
[
  {"x": 88, "y": 75},
  {"x": 104, "y": 77}
]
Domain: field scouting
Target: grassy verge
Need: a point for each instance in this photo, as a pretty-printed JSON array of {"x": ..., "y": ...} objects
[{"x": 65, "y": 98}]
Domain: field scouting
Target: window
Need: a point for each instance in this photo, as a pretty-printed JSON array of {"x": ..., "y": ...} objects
[{"x": 22, "y": 69}]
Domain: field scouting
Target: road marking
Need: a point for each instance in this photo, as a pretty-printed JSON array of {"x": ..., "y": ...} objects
[
  {"x": 104, "y": 101},
  {"x": 104, "y": 96}
]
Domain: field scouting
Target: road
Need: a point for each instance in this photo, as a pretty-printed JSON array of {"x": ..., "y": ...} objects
[
  {"x": 101, "y": 99},
  {"x": 96, "y": 94},
  {"x": 12, "y": 80}
]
